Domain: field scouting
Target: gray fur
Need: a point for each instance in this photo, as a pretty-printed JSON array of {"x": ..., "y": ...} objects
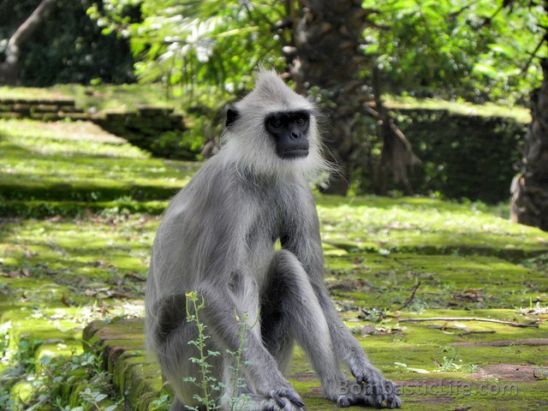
[{"x": 217, "y": 238}]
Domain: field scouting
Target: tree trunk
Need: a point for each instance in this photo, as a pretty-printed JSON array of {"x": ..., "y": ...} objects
[
  {"x": 530, "y": 187},
  {"x": 9, "y": 70},
  {"x": 327, "y": 65},
  {"x": 397, "y": 156}
]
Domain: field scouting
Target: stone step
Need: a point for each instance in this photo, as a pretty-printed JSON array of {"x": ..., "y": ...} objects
[
  {"x": 121, "y": 345},
  {"x": 137, "y": 377},
  {"x": 36, "y": 101}
]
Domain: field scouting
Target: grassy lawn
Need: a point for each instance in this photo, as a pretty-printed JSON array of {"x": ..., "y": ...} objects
[{"x": 79, "y": 209}]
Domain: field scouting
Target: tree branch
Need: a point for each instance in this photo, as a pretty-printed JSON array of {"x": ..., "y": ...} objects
[
  {"x": 533, "y": 55},
  {"x": 25, "y": 30},
  {"x": 411, "y": 297}
]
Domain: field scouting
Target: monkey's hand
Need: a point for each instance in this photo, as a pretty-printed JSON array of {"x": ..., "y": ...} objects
[
  {"x": 371, "y": 388},
  {"x": 286, "y": 398}
]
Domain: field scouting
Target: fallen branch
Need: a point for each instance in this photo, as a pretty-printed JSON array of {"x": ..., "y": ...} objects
[
  {"x": 477, "y": 332},
  {"x": 532, "y": 342},
  {"x": 463, "y": 330},
  {"x": 411, "y": 297},
  {"x": 479, "y": 319}
]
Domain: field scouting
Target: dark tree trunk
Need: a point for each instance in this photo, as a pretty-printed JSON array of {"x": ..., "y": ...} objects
[
  {"x": 9, "y": 70},
  {"x": 326, "y": 65},
  {"x": 530, "y": 186},
  {"x": 397, "y": 156}
]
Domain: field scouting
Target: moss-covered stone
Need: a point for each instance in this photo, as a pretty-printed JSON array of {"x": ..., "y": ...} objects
[{"x": 446, "y": 376}]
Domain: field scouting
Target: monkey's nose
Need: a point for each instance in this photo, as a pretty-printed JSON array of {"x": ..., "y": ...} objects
[{"x": 295, "y": 135}]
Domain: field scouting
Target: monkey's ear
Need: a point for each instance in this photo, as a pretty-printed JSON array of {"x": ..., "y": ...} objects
[{"x": 231, "y": 115}]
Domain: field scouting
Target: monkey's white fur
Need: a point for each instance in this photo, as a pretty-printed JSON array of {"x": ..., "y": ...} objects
[{"x": 259, "y": 156}]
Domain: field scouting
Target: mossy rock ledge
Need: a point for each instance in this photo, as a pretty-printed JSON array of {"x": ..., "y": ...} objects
[
  {"x": 121, "y": 345},
  {"x": 493, "y": 385}
]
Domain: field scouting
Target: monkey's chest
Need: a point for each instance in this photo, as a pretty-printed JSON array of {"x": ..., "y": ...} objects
[{"x": 261, "y": 242}]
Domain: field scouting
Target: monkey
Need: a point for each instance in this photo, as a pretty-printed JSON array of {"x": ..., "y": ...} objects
[{"x": 218, "y": 238}]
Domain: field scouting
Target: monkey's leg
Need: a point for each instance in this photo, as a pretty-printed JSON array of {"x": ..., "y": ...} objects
[
  {"x": 373, "y": 389},
  {"x": 290, "y": 310},
  {"x": 172, "y": 342},
  {"x": 222, "y": 314},
  {"x": 264, "y": 387}
]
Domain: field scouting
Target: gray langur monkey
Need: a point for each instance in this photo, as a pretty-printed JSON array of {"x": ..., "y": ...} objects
[{"x": 218, "y": 238}]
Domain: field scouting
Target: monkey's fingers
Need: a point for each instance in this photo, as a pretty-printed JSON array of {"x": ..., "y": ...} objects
[
  {"x": 393, "y": 400},
  {"x": 375, "y": 384},
  {"x": 282, "y": 394}
]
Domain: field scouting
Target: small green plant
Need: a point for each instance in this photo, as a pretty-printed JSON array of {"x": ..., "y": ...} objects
[
  {"x": 208, "y": 383},
  {"x": 47, "y": 384},
  {"x": 237, "y": 401},
  {"x": 210, "y": 386},
  {"x": 451, "y": 362},
  {"x": 161, "y": 403}
]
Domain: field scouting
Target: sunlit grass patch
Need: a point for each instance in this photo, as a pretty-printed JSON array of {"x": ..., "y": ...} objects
[
  {"x": 425, "y": 224},
  {"x": 80, "y": 162}
]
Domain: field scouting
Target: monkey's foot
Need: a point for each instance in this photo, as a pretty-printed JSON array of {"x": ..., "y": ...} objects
[
  {"x": 370, "y": 388},
  {"x": 271, "y": 405},
  {"x": 256, "y": 402},
  {"x": 348, "y": 400}
]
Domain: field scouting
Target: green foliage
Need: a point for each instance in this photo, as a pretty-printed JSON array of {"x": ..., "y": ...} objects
[
  {"x": 210, "y": 387},
  {"x": 463, "y": 156},
  {"x": 465, "y": 153},
  {"x": 477, "y": 50},
  {"x": 448, "y": 48},
  {"x": 76, "y": 383},
  {"x": 194, "y": 42}
]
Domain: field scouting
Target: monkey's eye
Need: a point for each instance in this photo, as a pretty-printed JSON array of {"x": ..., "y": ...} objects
[
  {"x": 275, "y": 122},
  {"x": 301, "y": 121}
]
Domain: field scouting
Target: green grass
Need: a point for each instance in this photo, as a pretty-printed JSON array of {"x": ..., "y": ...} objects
[
  {"x": 520, "y": 113},
  {"x": 45, "y": 162},
  {"x": 123, "y": 97},
  {"x": 424, "y": 225},
  {"x": 98, "y": 97},
  {"x": 31, "y": 93},
  {"x": 80, "y": 209}
]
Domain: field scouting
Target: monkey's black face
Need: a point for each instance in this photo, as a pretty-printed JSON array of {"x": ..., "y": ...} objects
[{"x": 289, "y": 129}]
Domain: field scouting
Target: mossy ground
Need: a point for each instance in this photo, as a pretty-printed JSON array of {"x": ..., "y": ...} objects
[{"x": 79, "y": 209}]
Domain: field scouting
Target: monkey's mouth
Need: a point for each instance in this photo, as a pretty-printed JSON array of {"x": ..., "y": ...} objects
[{"x": 294, "y": 153}]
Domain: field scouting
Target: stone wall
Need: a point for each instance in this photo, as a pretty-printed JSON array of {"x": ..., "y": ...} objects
[
  {"x": 41, "y": 109},
  {"x": 145, "y": 127}
]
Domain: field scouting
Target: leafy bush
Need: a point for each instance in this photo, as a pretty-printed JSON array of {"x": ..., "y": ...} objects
[{"x": 463, "y": 156}]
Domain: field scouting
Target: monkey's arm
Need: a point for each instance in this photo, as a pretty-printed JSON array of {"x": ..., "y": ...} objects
[
  {"x": 305, "y": 242},
  {"x": 224, "y": 321}
]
